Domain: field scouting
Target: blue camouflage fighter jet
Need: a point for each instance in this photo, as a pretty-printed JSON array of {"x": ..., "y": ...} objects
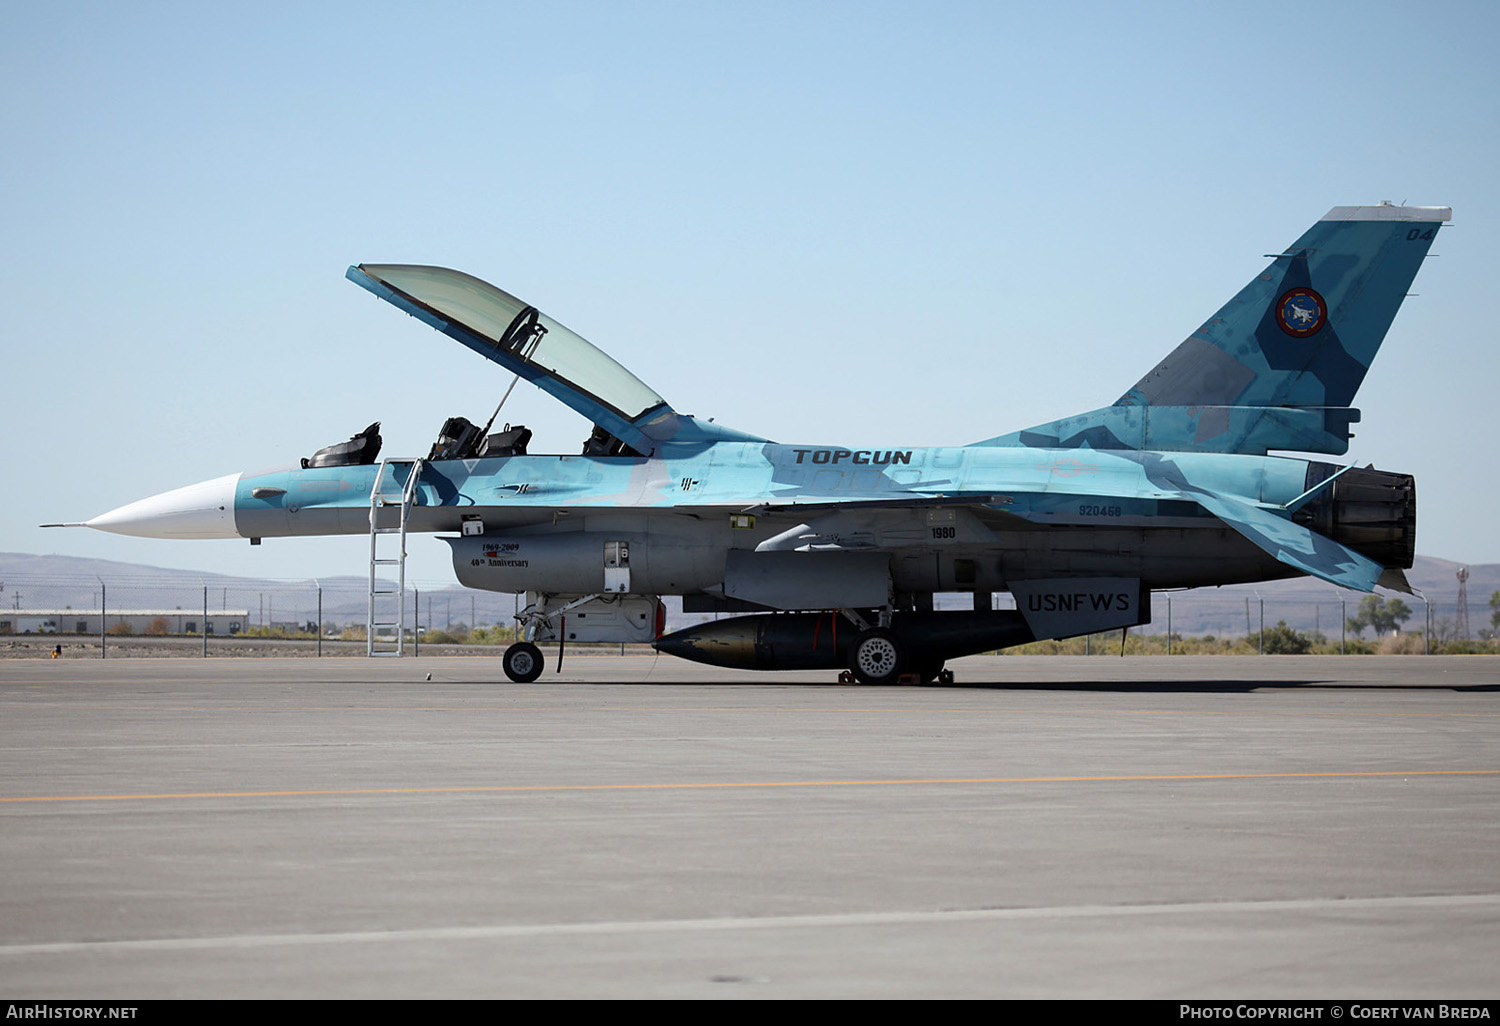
[{"x": 832, "y": 553}]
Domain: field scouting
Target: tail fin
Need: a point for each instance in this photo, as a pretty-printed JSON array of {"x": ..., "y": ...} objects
[{"x": 1279, "y": 364}]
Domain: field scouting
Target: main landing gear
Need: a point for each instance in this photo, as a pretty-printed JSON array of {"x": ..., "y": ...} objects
[{"x": 877, "y": 656}]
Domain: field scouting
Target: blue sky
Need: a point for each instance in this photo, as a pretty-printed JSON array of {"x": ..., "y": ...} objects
[{"x": 872, "y": 223}]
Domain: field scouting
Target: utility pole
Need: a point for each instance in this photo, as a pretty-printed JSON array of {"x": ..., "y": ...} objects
[{"x": 1463, "y": 602}]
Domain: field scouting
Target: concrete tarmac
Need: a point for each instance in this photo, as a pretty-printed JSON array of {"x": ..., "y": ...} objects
[{"x": 1274, "y": 827}]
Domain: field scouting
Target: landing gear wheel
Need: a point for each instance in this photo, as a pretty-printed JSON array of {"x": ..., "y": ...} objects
[
  {"x": 522, "y": 662},
  {"x": 876, "y": 657}
]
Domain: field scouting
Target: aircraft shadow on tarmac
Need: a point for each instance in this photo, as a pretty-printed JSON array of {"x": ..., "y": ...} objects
[
  {"x": 1215, "y": 686},
  {"x": 1142, "y": 686}
]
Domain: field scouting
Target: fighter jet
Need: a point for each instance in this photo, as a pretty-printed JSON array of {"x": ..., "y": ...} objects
[{"x": 831, "y": 553}]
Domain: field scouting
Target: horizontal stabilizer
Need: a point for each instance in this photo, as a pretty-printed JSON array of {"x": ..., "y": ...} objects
[
  {"x": 1394, "y": 578},
  {"x": 1295, "y": 545}
]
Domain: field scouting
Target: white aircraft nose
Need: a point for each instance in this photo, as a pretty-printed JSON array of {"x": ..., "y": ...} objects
[{"x": 203, "y": 510}]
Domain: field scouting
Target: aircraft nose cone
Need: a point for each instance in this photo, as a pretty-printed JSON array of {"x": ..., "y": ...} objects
[{"x": 203, "y": 510}]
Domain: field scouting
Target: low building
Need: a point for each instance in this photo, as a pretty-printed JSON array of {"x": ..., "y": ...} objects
[{"x": 139, "y": 621}]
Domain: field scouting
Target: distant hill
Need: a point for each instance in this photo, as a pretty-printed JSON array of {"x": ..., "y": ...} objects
[
  {"x": 59, "y": 582},
  {"x": 56, "y": 582}
]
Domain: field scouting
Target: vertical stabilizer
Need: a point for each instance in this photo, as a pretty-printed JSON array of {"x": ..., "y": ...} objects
[
  {"x": 1305, "y": 331},
  {"x": 1278, "y": 366}
]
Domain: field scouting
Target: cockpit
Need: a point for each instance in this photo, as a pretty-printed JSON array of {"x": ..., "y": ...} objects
[
  {"x": 628, "y": 417},
  {"x": 459, "y": 439},
  {"x": 522, "y": 339}
]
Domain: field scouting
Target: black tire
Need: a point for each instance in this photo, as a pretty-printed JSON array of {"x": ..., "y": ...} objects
[
  {"x": 522, "y": 662},
  {"x": 876, "y": 657}
]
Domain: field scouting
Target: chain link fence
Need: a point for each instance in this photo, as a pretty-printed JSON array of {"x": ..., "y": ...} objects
[
  {"x": 186, "y": 615},
  {"x": 190, "y": 615},
  {"x": 1241, "y": 621}
]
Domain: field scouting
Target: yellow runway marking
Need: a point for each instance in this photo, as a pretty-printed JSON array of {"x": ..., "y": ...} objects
[{"x": 513, "y": 789}]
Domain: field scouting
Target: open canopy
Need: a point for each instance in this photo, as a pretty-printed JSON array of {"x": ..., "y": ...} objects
[{"x": 519, "y": 337}]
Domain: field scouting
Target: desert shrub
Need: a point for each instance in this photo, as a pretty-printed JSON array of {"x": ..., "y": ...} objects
[
  {"x": 1403, "y": 644},
  {"x": 496, "y": 635},
  {"x": 1282, "y": 640}
]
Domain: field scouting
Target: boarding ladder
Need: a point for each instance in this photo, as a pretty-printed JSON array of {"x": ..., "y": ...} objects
[{"x": 391, "y": 499}]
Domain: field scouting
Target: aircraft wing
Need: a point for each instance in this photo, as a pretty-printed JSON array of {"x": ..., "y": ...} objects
[
  {"x": 1287, "y": 542},
  {"x": 1042, "y": 501}
]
